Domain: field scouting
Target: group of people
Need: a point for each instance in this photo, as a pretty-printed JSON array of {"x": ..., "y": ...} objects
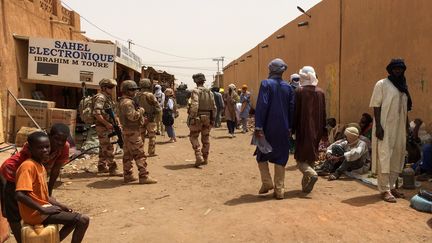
[
  {"x": 27, "y": 194},
  {"x": 284, "y": 110},
  {"x": 235, "y": 106},
  {"x": 297, "y": 109},
  {"x": 141, "y": 114}
]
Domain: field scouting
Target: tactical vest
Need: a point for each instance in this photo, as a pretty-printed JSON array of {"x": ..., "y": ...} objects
[
  {"x": 205, "y": 101},
  {"x": 125, "y": 122},
  {"x": 142, "y": 99},
  {"x": 108, "y": 103}
]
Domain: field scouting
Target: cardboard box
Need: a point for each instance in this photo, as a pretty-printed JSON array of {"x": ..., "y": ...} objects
[
  {"x": 65, "y": 116},
  {"x": 24, "y": 121},
  {"x": 21, "y": 136},
  {"x": 38, "y": 109}
]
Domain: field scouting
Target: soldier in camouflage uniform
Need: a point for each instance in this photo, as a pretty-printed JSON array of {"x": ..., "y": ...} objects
[
  {"x": 132, "y": 119},
  {"x": 101, "y": 101},
  {"x": 202, "y": 113},
  {"x": 146, "y": 99}
]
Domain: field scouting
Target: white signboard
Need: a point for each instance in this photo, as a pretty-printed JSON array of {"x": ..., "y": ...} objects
[
  {"x": 68, "y": 61},
  {"x": 126, "y": 57}
]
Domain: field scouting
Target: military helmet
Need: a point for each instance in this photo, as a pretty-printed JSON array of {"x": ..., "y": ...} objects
[
  {"x": 145, "y": 83},
  {"x": 107, "y": 82},
  {"x": 128, "y": 85},
  {"x": 199, "y": 77}
]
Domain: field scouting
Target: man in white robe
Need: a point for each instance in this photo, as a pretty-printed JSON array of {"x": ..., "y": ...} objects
[{"x": 391, "y": 102}]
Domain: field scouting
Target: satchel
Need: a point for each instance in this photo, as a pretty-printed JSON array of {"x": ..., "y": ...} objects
[{"x": 167, "y": 117}]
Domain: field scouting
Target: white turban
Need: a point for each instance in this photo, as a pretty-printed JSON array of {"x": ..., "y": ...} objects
[
  {"x": 352, "y": 133},
  {"x": 158, "y": 89},
  {"x": 308, "y": 76},
  {"x": 293, "y": 76}
]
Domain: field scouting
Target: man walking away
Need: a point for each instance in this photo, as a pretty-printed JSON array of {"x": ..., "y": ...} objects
[
  {"x": 309, "y": 125},
  {"x": 273, "y": 120},
  {"x": 245, "y": 99},
  {"x": 201, "y": 116},
  {"x": 219, "y": 105}
]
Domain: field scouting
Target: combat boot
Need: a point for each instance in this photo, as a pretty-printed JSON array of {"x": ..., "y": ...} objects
[
  {"x": 147, "y": 180},
  {"x": 267, "y": 183},
  {"x": 129, "y": 178},
  {"x": 199, "y": 161},
  {"x": 279, "y": 181},
  {"x": 102, "y": 169}
]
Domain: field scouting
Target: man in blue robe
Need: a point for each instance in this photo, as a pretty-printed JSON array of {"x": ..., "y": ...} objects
[{"x": 273, "y": 121}]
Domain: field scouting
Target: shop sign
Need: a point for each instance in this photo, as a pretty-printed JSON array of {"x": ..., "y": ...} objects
[
  {"x": 126, "y": 57},
  {"x": 68, "y": 61}
]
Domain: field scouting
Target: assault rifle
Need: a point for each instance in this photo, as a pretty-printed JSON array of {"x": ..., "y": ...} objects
[{"x": 117, "y": 131}]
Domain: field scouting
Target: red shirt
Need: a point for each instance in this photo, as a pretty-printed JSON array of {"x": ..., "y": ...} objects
[{"x": 10, "y": 166}]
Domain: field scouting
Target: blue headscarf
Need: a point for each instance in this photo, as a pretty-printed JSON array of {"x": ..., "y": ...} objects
[{"x": 276, "y": 68}]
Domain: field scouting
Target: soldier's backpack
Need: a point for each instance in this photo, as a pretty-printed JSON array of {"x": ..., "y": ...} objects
[
  {"x": 205, "y": 101},
  {"x": 85, "y": 110}
]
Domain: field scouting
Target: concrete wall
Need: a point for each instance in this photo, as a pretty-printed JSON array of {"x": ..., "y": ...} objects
[
  {"x": 27, "y": 18},
  {"x": 371, "y": 36}
]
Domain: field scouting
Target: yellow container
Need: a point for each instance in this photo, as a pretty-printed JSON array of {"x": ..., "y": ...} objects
[{"x": 40, "y": 234}]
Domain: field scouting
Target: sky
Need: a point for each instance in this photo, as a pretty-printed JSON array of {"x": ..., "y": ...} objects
[{"x": 183, "y": 36}]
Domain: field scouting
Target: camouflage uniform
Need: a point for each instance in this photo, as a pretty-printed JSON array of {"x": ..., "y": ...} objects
[
  {"x": 202, "y": 113},
  {"x": 102, "y": 101},
  {"x": 132, "y": 119},
  {"x": 146, "y": 99}
]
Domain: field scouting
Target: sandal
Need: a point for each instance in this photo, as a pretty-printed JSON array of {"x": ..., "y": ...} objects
[
  {"x": 388, "y": 197},
  {"x": 397, "y": 194}
]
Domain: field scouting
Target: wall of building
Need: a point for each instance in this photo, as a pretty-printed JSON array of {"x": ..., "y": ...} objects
[
  {"x": 373, "y": 33},
  {"x": 316, "y": 44},
  {"x": 370, "y": 37},
  {"x": 28, "y": 18}
]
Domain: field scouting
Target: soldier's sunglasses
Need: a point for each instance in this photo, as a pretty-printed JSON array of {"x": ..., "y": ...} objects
[{"x": 133, "y": 89}]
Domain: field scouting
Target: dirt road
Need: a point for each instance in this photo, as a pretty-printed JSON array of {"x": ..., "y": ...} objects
[{"x": 219, "y": 202}]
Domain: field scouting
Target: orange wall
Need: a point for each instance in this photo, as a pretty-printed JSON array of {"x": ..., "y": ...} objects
[
  {"x": 26, "y": 18},
  {"x": 371, "y": 36},
  {"x": 307, "y": 45}
]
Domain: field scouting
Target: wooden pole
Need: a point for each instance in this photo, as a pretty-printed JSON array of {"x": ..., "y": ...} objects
[{"x": 25, "y": 110}]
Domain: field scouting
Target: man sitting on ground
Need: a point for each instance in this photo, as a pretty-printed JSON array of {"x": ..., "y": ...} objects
[
  {"x": 366, "y": 123},
  {"x": 35, "y": 205},
  {"x": 58, "y": 156},
  {"x": 353, "y": 153},
  {"x": 425, "y": 164}
]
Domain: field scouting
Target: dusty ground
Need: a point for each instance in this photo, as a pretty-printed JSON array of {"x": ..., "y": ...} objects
[{"x": 219, "y": 202}]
